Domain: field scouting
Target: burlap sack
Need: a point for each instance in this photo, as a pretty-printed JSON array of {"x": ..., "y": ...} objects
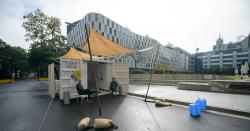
[
  {"x": 159, "y": 99},
  {"x": 160, "y": 103},
  {"x": 102, "y": 123},
  {"x": 83, "y": 124}
]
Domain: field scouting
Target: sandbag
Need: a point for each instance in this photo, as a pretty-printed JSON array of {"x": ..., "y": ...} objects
[
  {"x": 160, "y": 103},
  {"x": 159, "y": 99},
  {"x": 104, "y": 123},
  {"x": 83, "y": 124}
]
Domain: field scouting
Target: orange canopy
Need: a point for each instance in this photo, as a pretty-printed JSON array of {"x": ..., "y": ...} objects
[
  {"x": 104, "y": 47},
  {"x": 75, "y": 54}
]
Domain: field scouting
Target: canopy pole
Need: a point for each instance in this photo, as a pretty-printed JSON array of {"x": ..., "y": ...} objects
[
  {"x": 151, "y": 74},
  {"x": 93, "y": 71}
]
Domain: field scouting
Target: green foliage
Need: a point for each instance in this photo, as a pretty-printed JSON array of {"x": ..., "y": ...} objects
[
  {"x": 223, "y": 71},
  {"x": 233, "y": 77},
  {"x": 40, "y": 56},
  {"x": 13, "y": 59},
  {"x": 43, "y": 31},
  {"x": 214, "y": 70},
  {"x": 227, "y": 70},
  {"x": 35, "y": 25},
  {"x": 47, "y": 40},
  {"x": 137, "y": 71}
]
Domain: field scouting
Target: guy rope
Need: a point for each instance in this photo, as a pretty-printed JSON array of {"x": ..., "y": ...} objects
[{"x": 152, "y": 71}]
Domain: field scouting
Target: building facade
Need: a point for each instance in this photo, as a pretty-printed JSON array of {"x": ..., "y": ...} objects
[
  {"x": 232, "y": 54},
  {"x": 118, "y": 34}
]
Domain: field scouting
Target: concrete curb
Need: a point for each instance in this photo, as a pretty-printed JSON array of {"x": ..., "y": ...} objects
[
  {"x": 222, "y": 90},
  {"x": 218, "y": 109}
]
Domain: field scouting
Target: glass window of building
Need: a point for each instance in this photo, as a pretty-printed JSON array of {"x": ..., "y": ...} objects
[
  {"x": 102, "y": 33},
  {"x": 113, "y": 39},
  {"x": 227, "y": 61},
  {"x": 112, "y": 24},
  {"x": 117, "y": 40},
  {"x": 92, "y": 24},
  {"x": 115, "y": 32},
  {"x": 89, "y": 17},
  {"x": 102, "y": 19},
  {"x": 110, "y": 30},
  {"x": 227, "y": 56},
  {"x": 119, "y": 33},
  {"x": 100, "y": 26},
  {"x": 108, "y": 36},
  {"x": 108, "y": 21},
  {"x": 105, "y": 28},
  {"x": 96, "y": 17}
]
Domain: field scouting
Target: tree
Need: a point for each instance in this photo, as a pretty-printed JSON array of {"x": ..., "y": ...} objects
[
  {"x": 14, "y": 59},
  {"x": 39, "y": 58},
  {"x": 35, "y": 25},
  {"x": 249, "y": 63},
  {"x": 19, "y": 59},
  {"x": 5, "y": 59},
  {"x": 214, "y": 69},
  {"x": 137, "y": 57},
  {"x": 46, "y": 39},
  {"x": 2, "y": 44},
  {"x": 227, "y": 70},
  {"x": 244, "y": 69}
]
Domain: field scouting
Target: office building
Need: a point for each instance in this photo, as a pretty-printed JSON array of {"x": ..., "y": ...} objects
[
  {"x": 118, "y": 34},
  {"x": 232, "y": 54}
]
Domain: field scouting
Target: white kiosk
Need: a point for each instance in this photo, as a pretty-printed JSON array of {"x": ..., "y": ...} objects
[
  {"x": 104, "y": 72},
  {"x": 77, "y": 62}
]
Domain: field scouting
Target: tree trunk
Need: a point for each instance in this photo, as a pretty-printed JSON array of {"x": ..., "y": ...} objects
[
  {"x": 20, "y": 73},
  {"x": 15, "y": 73}
]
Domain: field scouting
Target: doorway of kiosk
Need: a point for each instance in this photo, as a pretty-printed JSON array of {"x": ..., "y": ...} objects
[{"x": 103, "y": 75}]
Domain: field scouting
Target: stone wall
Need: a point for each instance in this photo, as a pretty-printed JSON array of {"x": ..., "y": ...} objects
[{"x": 164, "y": 77}]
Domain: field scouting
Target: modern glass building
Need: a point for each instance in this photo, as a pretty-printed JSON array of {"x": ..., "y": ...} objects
[
  {"x": 118, "y": 34},
  {"x": 232, "y": 54}
]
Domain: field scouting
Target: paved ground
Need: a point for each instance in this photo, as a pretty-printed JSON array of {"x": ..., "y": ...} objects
[
  {"x": 222, "y": 100},
  {"x": 23, "y": 104}
]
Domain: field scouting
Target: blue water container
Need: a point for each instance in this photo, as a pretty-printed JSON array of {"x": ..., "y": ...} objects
[
  {"x": 201, "y": 103},
  {"x": 194, "y": 110}
]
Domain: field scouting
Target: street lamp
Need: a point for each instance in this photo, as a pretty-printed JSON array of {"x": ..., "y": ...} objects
[{"x": 196, "y": 51}]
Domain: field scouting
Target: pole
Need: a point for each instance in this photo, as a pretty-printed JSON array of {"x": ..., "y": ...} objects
[
  {"x": 93, "y": 71},
  {"x": 151, "y": 74},
  {"x": 195, "y": 63}
]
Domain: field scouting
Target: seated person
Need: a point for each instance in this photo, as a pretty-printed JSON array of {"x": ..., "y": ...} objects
[
  {"x": 81, "y": 90},
  {"x": 113, "y": 86}
]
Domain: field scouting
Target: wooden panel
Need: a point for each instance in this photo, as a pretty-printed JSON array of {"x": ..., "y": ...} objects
[{"x": 121, "y": 73}]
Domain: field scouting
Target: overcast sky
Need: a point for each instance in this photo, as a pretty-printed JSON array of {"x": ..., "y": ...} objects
[{"x": 184, "y": 23}]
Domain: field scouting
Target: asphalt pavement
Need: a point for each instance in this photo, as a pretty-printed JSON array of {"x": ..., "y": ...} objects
[{"x": 23, "y": 104}]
